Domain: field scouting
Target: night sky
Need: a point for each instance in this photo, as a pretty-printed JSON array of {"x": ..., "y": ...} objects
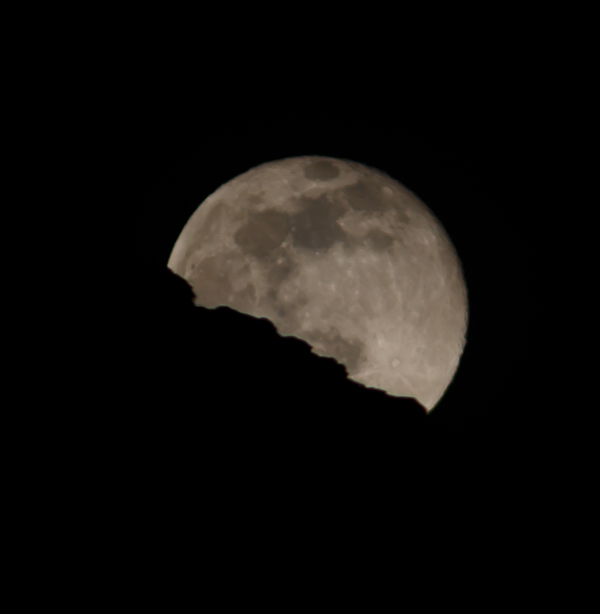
[{"x": 449, "y": 109}]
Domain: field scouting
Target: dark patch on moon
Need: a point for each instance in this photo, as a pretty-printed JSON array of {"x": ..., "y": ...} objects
[
  {"x": 316, "y": 227},
  {"x": 279, "y": 267},
  {"x": 321, "y": 170},
  {"x": 289, "y": 313},
  {"x": 379, "y": 240},
  {"x": 367, "y": 195},
  {"x": 262, "y": 233},
  {"x": 285, "y": 312},
  {"x": 351, "y": 244},
  {"x": 402, "y": 216},
  {"x": 346, "y": 351},
  {"x": 289, "y": 309},
  {"x": 255, "y": 199}
]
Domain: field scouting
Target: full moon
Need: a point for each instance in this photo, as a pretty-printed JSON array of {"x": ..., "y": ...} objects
[{"x": 340, "y": 255}]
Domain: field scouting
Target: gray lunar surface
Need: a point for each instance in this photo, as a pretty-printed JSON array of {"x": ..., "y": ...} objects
[{"x": 342, "y": 256}]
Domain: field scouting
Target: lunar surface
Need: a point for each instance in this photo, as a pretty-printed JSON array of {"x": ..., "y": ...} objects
[{"x": 341, "y": 255}]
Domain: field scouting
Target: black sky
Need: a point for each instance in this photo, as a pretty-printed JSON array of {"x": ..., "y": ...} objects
[
  {"x": 449, "y": 105},
  {"x": 456, "y": 118}
]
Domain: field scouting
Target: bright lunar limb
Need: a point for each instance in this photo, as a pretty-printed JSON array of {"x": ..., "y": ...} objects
[{"x": 341, "y": 255}]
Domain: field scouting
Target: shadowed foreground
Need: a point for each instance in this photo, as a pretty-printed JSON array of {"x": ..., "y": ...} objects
[
  {"x": 216, "y": 377},
  {"x": 202, "y": 449}
]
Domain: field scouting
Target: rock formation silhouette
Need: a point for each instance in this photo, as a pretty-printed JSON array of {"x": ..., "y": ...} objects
[
  {"x": 182, "y": 406},
  {"x": 231, "y": 374}
]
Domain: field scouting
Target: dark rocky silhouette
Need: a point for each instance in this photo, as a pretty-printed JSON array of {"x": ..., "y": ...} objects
[
  {"x": 190, "y": 373},
  {"x": 179, "y": 411}
]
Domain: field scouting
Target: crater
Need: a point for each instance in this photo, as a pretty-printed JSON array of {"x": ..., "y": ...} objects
[{"x": 321, "y": 170}]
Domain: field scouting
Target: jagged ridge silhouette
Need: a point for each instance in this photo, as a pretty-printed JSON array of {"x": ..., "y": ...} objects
[{"x": 187, "y": 371}]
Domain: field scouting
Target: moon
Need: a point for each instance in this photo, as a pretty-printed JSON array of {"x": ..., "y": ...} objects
[{"x": 340, "y": 255}]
